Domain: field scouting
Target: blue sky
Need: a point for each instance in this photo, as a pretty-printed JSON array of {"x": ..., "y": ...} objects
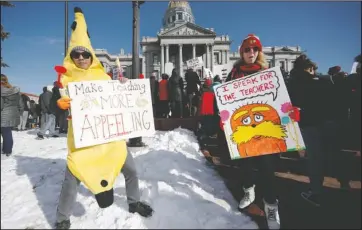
[{"x": 330, "y": 32}]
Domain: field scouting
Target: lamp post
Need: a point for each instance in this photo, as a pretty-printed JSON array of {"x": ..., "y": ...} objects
[
  {"x": 137, "y": 141},
  {"x": 65, "y": 28},
  {"x": 136, "y": 36}
]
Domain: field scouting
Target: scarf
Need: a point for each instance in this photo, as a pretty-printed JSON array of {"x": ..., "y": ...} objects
[{"x": 244, "y": 70}]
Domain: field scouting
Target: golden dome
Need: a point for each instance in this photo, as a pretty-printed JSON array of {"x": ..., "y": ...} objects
[{"x": 175, "y": 4}]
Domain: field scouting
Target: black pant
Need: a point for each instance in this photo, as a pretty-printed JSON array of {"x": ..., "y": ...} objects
[
  {"x": 192, "y": 104},
  {"x": 8, "y": 143},
  {"x": 266, "y": 167},
  {"x": 63, "y": 122},
  {"x": 210, "y": 124},
  {"x": 323, "y": 144},
  {"x": 163, "y": 108},
  {"x": 176, "y": 109}
]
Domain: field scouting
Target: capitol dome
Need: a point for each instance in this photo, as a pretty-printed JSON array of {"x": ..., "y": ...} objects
[{"x": 178, "y": 12}]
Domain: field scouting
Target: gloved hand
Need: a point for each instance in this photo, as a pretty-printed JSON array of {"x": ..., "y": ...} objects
[{"x": 64, "y": 103}]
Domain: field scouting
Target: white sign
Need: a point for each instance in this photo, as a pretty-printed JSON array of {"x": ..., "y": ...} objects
[
  {"x": 223, "y": 70},
  {"x": 258, "y": 116},
  {"x": 354, "y": 67},
  {"x": 106, "y": 111},
  {"x": 208, "y": 74},
  {"x": 168, "y": 68},
  {"x": 195, "y": 63}
]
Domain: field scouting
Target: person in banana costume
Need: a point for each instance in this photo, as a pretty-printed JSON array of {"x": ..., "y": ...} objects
[{"x": 96, "y": 166}]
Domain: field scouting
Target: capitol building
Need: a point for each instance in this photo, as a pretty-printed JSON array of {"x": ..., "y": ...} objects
[{"x": 181, "y": 39}]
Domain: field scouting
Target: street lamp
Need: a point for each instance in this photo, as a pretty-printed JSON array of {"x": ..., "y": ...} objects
[
  {"x": 65, "y": 28},
  {"x": 135, "y": 42},
  {"x": 137, "y": 141}
]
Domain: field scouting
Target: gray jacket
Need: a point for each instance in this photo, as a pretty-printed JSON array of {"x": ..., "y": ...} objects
[{"x": 11, "y": 106}]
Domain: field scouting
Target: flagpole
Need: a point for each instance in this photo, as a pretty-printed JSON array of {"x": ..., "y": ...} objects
[{"x": 65, "y": 28}]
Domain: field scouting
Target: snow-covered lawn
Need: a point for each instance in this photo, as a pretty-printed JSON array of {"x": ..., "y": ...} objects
[{"x": 174, "y": 179}]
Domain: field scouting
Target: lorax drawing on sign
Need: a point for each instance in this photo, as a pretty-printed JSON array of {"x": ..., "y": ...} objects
[{"x": 257, "y": 130}]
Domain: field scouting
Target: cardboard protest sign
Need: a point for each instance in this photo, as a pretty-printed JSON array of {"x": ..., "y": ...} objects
[
  {"x": 223, "y": 70},
  {"x": 168, "y": 68},
  {"x": 258, "y": 116},
  {"x": 195, "y": 63},
  {"x": 106, "y": 111},
  {"x": 208, "y": 74}
]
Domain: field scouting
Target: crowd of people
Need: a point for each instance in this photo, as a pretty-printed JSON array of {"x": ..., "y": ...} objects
[
  {"x": 20, "y": 113},
  {"x": 330, "y": 110}
]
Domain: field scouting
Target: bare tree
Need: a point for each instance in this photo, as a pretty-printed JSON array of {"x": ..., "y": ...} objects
[{"x": 4, "y": 34}]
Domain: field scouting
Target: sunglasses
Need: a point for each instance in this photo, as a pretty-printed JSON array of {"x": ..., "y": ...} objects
[
  {"x": 248, "y": 49},
  {"x": 76, "y": 55}
]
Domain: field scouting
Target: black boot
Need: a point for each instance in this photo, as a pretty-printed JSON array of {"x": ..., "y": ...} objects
[
  {"x": 136, "y": 142},
  {"x": 141, "y": 208},
  {"x": 65, "y": 224}
]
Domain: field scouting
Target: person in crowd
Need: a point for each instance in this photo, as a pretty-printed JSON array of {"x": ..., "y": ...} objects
[
  {"x": 11, "y": 107},
  {"x": 216, "y": 81},
  {"x": 154, "y": 93},
  {"x": 49, "y": 105},
  {"x": 82, "y": 60},
  {"x": 193, "y": 84},
  {"x": 336, "y": 94},
  {"x": 62, "y": 115},
  {"x": 25, "y": 115},
  {"x": 316, "y": 123},
  {"x": 44, "y": 100},
  {"x": 251, "y": 61},
  {"x": 163, "y": 94},
  {"x": 208, "y": 111},
  {"x": 176, "y": 94},
  {"x": 354, "y": 85},
  {"x": 33, "y": 117},
  {"x": 38, "y": 112}
]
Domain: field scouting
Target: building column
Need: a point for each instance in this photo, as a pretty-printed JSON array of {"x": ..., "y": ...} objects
[
  {"x": 226, "y": 56},
  {"x": 167, "y": 54},
  {"x": 222, "y": 58},
  {"x": 180, "y": 62},
  {"x": 144, "y": 66},
  {"x": 145, "y": 58},
  {"x": 162, "y": 59},
  {"x": 207, "y": 56},
  {"x": 193, "y": 51},
  {"x": 212, "y": 58}
]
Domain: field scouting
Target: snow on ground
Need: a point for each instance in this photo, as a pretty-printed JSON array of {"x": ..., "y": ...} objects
[{"x": 174, "y": 179}]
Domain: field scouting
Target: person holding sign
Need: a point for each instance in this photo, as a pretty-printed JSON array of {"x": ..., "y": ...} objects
[
  {"x": 252, "y": 61},
  {"x": 96, "y": 166}
]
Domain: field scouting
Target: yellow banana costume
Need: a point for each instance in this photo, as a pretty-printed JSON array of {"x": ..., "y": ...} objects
[{"x": 96, "y": 166}]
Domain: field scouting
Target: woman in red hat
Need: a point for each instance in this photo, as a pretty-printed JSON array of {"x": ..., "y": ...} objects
[{"x": 252, "y": 61}]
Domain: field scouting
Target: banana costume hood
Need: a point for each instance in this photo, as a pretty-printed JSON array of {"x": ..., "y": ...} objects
[{"x": 96, "y": 166}]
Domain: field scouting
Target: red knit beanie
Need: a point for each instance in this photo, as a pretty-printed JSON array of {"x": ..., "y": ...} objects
[{"x": 251, "y": 41}]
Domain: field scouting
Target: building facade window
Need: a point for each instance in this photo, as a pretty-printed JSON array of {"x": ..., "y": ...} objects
[
  {"x": 179, "y": 16},
  {"x": 282, "y": 64},
  {"x": 217, "y": 58},
  {"x": 155, "y": 59},
  {"x": 173, "y": 18}
]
